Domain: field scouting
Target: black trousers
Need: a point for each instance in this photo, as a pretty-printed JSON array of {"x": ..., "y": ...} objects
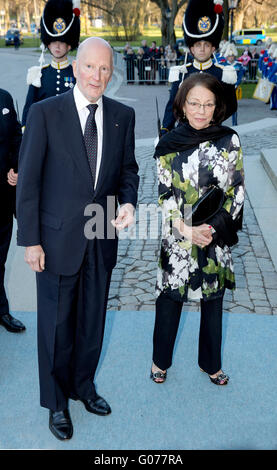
[
  {"x": 71, "y": 319},
  {"x": 7, "y": 198},
  {"x": 168, "y": 313}
]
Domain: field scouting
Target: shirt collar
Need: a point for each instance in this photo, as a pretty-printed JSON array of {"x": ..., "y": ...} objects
[
  {"x": 82, "y": 102},
  {"x": 202, "y": 65},
  {"x": 59, "y": 65}
]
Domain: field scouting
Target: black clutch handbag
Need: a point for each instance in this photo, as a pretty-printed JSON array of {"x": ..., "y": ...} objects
[{"x": 206, "y": 206}]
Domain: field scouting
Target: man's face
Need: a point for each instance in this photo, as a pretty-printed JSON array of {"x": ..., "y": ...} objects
[
  {"x": 59, "y": 49},
  {"x": 202, "y": 50},
  {"x": 231, "y": 58},
  {"x": 93, "y": 70}
]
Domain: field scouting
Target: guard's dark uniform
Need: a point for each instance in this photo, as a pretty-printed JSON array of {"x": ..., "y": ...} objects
[
  {"x": 10, "y": 140},
  {"x": 197, "y": 67},
  {"x": 56, "y": 79}
]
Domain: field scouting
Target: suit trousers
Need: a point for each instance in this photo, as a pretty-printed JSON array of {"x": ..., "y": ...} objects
[
  {"x": 71, "y": 320},
  {"x": 168, "y": 313}
]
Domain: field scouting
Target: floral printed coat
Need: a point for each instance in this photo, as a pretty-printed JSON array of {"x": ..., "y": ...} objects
[{"x": 185, "y": 271}]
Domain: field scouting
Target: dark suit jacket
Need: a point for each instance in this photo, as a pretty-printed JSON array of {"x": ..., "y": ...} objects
[
  {"x": 10, "y": 139},
  {"x": 55, "y": 184}
]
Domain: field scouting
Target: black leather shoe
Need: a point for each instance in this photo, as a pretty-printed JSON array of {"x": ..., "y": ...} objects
[
  {"x": 11, "y": 324},
  {"x": 99, "y": 406},
  {"x": 60, "y": 424}
]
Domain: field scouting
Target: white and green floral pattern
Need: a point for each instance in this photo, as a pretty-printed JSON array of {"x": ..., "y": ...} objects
[{"x": 184, "y": 270}]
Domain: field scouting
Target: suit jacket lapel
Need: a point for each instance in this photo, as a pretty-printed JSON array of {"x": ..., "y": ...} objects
[
  {"x": 73, "y": 136},
  {"x": 109, "y": 123}
]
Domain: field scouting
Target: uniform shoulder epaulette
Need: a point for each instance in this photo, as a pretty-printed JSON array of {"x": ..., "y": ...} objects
[
  {"x": 175, "y": 71},
  {"x": 229, "y": 74},
  {"x": 34, "y": 75}
]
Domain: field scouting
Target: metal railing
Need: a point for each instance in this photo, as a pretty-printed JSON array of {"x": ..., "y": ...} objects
[
  {"x": 250, "y": 71},
  {"x": 149, "y": 71},
  {"x": 156, "y": 71}
]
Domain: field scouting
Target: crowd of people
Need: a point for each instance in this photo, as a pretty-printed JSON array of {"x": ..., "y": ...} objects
[
  {"x": 267, "y": 65},
  {"x": 147, "y": 61},
  {"x": 144, "y": 63}
]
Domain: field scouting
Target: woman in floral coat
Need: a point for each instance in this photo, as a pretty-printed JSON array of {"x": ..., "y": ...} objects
[{"x": 197, "y": 264}]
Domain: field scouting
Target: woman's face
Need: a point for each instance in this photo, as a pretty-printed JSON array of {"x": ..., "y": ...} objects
[{"x": 199, "y": 107}]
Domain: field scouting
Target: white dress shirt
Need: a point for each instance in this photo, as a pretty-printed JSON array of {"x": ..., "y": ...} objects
[{"x": 83, "y": 112}]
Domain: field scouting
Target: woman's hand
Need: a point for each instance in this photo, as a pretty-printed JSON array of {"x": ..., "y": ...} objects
[{"x": 200, "y": 236}]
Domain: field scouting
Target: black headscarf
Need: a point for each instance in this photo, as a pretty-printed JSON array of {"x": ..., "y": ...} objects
[{"x": 185, "y": 137}]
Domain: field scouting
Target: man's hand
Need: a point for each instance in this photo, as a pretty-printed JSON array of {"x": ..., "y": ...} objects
[
  {"x": 12, "y": 177},
  {"x": 125, "y": 217},
  {"x": 35, "y": 257}
]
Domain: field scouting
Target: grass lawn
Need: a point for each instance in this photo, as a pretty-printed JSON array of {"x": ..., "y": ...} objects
[
  {"x": 150, "y": 34},
  {"x": 248, "y": 90}
]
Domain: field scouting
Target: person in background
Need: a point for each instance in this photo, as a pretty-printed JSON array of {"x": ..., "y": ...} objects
[
  {"x": 60, "y": 35},
  {"x": 154, "y": 55},
  {"x": 245, "y": 60},
  {"x": 254, "y": 64},
  {"x": 272, "y": 77},
  {"x": 170, "y": 57},
  {"x": 162, "y": 66},
  {"x": 130, "y": 57},
  {"x": 16, "y": 40},
  {"x": 231, "y": 53},
  {"x": 10, "y": 139},
  {"x": 196, "y": 263},
  {"x": 141, "y": 60}
]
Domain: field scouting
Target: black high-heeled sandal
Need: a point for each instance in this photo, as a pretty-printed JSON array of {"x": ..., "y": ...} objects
[
  {"x": 158, "y": 375},
  {"x": 221, "y": 379}
]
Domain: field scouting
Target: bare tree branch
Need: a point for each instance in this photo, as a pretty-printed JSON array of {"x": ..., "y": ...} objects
[{"x": 94, "y": 5}]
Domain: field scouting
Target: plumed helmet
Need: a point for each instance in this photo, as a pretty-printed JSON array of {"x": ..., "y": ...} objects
[
  {"x": 60, "y": 22},
  {"x": 231, "y": 50},
  {"x": 203, "y": 20}
]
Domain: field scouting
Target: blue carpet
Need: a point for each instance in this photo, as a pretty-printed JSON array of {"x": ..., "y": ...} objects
[{"x": 186, "y": 412}]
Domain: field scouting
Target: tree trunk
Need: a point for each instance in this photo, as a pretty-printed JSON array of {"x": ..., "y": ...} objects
[
  {"x": 167, "y": 24},
  {"x": 225, "y": 34}
]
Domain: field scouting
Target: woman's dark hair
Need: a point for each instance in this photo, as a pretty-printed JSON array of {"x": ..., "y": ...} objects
[{"x": 208, "y": 81}]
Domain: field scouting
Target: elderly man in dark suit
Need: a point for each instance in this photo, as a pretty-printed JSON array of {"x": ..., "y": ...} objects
[
  {"x": 10, "y": 139},
  {"x": 77, "y": 157}
]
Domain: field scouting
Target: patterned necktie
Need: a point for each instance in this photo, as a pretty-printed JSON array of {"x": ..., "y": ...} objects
[{"x": 90, "y": 137}]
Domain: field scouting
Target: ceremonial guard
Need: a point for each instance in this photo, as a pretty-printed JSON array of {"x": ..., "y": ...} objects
[
  {"x": 272, "y": 77},
  {"x": 203, "y": 26},
  {"x": 264, "y": 55},
  {"x": 60, "y": 33},
  {"x": 230, "y": 59}
]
